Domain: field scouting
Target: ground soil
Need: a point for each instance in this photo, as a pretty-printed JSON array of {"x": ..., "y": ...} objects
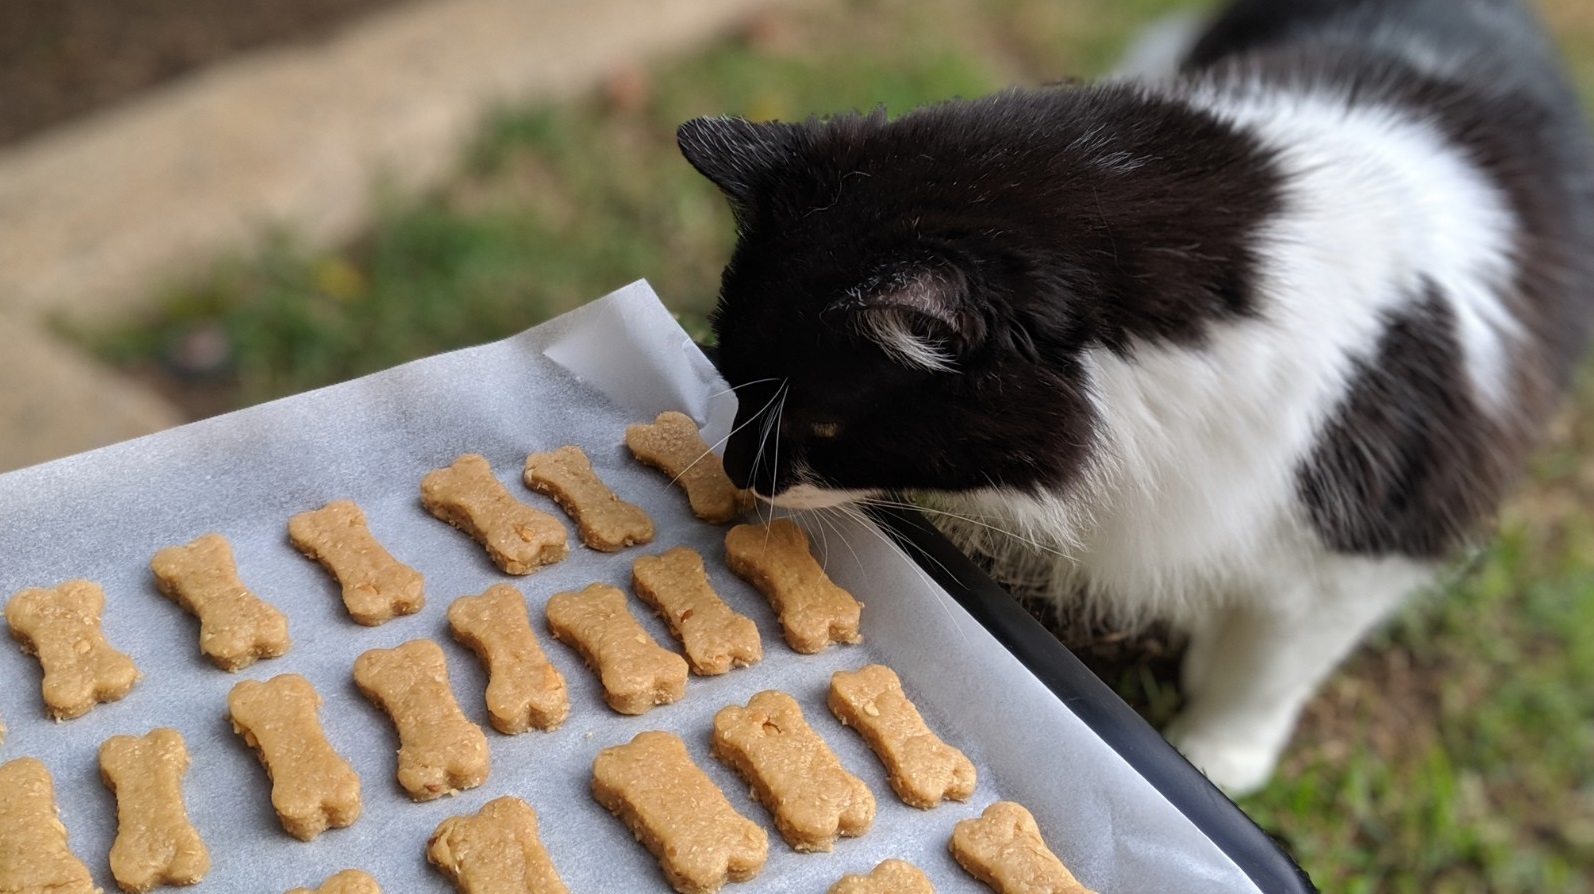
[{"x": 60, "y": 58}]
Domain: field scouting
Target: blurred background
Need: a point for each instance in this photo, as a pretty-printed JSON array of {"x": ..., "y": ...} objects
[{"x": 205, "y": 205}]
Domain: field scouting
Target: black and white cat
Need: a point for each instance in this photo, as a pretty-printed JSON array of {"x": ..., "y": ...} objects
[{"x": 1253, "y": 348}]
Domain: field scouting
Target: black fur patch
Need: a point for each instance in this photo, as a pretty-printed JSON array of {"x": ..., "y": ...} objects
[
  {"x": 1405, "y": 466},
  {"x": 1071, "y": 218}
]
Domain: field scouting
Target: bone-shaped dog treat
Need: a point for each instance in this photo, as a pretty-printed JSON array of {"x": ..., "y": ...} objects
[
  {"x": 440, "y": 750},
  {"x": 604, "y": 521},
  {"x": 61, "y": 625},
  {"x": 376, "y": 586},
  {"x": 523, "y": 689},
  {"x": 349, "y": 881},
  {"x": 678, "y": 814},
  {"x": 155, "y": 842},
  {"x": 312, "y": 787},
  {"x": 235, "y": 627},
  {"x": 813, "y": 611},
  {"x": 671, "y": 444},
  {"x": 517, "y": 537},
  {"x": 497, "y": 851},
  {"x": 1004, "y": 849},
  {"x": 792, "y": 772},
  {"x": 34, "y": 856},
  {"x": 715, "y": 637},
  {"x": 923, "y": 769},
  {"x": 890, "y": 877},
  {"x": 636, "y": 672}
]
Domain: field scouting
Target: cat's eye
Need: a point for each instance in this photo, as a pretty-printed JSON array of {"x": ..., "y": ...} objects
[{"x": 824, "y": 429}]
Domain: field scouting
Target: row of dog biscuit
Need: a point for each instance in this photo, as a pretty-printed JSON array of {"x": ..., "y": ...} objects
[
  {"x": 701, "y": 842},
  {"x": 498, "y": 849},
  {"x": 519, "y": 538},
  {"x": 791, "y": 770}
]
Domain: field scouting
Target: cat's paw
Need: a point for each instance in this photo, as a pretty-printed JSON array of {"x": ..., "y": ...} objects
[{"x": 1238, "y": 764}]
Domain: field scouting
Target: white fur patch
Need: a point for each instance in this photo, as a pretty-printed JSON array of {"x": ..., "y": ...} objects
[
  {"x": 808, "y": 496},
  {"x": 1389, "y": 200},
  {"x": 892, "y": 330}
]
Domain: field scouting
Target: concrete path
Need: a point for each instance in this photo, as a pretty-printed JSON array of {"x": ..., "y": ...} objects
[{"x": 95, "y": 214}]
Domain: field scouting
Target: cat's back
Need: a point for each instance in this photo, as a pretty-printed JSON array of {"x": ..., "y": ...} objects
[{"x": 1496, "y": 45}]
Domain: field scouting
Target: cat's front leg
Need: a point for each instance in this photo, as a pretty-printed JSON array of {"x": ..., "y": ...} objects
[{"x": 1252, "y": 667}]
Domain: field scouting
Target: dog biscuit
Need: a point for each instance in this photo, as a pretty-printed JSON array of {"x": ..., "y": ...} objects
[
  {"x": 61, "y": 625},
  {"x": 523, "y": 689},
  {"x": 890, "y": 877},
  {"x": 376, "y": 586},
  {"x": 517, "y": 537},
  {"x": 312, "y": 787},
  {"x": 678, "y": 814},
  {"x": 236, "y": 628},
  {"x": 923, "y": 769},
  {"x": 497, "y": 851},
  {"x": 1003, "y": 848},
  {"x": 349, "y": 881},
  {"x": 603, "y": 520},
  {"x": 34, "y": 856},
  {"x": 155, "y": 843},
  {"x": 792, "y": 771},
  {"x": 813, "y": 611},
  {"x": 440, "y": 750},
  {"x": 636, "y": 672},
  {"x": 671, "y": 444},
  {"x": 715, "y": 637}
]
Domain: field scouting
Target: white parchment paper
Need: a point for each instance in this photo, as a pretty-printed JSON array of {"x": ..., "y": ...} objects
[{"x": 577, "y": 379}]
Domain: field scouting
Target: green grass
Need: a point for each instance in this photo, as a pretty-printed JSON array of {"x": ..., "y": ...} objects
[
  {"x": 1453, "y": 754},
  {"x": 554, "y": 206}
]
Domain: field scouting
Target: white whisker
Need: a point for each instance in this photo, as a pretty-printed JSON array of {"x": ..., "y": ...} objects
[
  {"x": 869, "y": 525},
  {"x": 1026, "y": 539},
  {"x": 733, "y": 388},
  {"x": 717, "y": 444}
]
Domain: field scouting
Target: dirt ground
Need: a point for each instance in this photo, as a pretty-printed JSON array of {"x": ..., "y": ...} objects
[{"x": 60, "y": 58}]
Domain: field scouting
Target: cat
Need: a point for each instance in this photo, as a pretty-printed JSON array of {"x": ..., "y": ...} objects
[{"x": 1254, "y": 348}]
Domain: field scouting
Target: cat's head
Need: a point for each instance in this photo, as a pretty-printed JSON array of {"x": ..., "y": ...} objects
[{"x": 872, "y": 318}]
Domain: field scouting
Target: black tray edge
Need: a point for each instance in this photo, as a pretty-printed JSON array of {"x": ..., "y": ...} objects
[{"x": 1256, "y": 853}]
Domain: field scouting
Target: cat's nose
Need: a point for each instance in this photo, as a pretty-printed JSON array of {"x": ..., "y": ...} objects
[
  {"x": 754, "y": 469},
  {"x": 757, "y": 464},
  {"x": 757, "y": 457},
  {"x": 739, "y": 462}
]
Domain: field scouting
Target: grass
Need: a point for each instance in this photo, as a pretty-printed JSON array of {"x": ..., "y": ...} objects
[{"x": 1453, "y": 754}]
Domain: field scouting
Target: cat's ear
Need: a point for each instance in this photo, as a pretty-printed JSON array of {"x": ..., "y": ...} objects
[
  {"x": 921, "y": 317},
  {"x": 736, "y": 154}
]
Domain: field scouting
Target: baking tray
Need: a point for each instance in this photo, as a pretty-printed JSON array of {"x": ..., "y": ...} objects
[{"x": 1115, "y": 803}]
